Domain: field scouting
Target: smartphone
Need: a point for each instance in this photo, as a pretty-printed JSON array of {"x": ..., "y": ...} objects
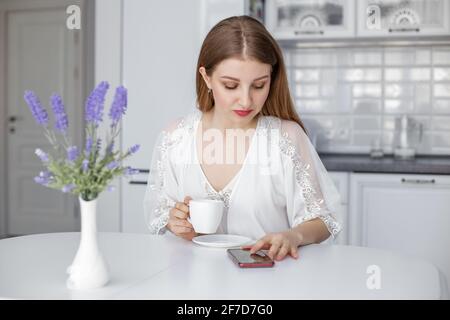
[{"x": 244, "y": 259}]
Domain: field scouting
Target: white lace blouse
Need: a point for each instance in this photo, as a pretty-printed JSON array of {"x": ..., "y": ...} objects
[{"x": 282, "y": 181}]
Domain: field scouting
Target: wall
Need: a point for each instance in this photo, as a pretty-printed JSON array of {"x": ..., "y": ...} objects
[
  {"x": 162, "y": 40},
  {"x": 108, "y": 58}
]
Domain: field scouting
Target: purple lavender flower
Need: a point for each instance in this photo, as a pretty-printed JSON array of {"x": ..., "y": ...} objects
[
  {"x": 42, "y": 155},
  {"x": 68, "y": 188},
  {"x": 94, "y": 104},
  {"x": 72, "y": 153},
  {"x": 85, "y": 165},
  {"x": 111, "y": 188},
  {"x": 88, "y": 148},
  {"x": 43, "y": 178},
  {"x": 62, "y": 122},
  {"x": 39, "y": 113},
  {"x": 133, "y": 149},
  {"x": 119, "y": 105},
  {"x": 112, "y": 165}
]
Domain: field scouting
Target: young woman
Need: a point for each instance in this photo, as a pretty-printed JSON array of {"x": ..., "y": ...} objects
[{"x": 276, "y": 189}]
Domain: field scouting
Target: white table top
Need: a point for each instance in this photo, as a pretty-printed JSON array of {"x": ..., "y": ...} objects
[{"x": 165, "y": 267}]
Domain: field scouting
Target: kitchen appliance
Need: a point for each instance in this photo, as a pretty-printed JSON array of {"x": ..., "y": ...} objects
[{"x": 409, "y": 136}]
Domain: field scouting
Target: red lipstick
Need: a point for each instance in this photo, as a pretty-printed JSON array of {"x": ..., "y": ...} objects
[{"x": 242, "y": 113}]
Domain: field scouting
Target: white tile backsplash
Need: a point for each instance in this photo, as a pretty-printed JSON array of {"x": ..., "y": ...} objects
[
  {"x": 329, "y": 75},
  {"x": 441, "y": 56},
  {"x": 307, "y": 75},
  {"x": 307, "y": 90},
  {"x": 441, "y": 123},
  {"x": 441, "y": 140},
  {"x": 441, "y": 74},
  {"x": 328, "y": 90},
  {"x": 360, "y": 74},
  {"x": 372, "y": 90},
  {"x": 367, "y": 123},
  {"x": 352, "y": 96},
  {"x": 367, "y": 106},
  {"x": 394, "y": 90},
  {"x": 313, "y": 106},
  {"x": 399, "y": 57},
  {"x": 420, "y": 74},
  {"x": 423, "y": 56},
  {"x": 441, "y": 106},
  {"x": 442, "y": 90},
  {"x": 367, "y": 57},
  {"x": 407, "y": 74}
]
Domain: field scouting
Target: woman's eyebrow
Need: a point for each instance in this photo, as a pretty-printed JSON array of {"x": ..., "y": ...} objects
[{"x": 236, "y": 79}]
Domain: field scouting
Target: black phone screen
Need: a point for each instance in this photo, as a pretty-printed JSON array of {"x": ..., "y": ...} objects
[{"x": 244, "y": 256}]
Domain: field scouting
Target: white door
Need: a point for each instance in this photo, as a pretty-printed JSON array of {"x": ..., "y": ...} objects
[{"x": 42, "y": 55}]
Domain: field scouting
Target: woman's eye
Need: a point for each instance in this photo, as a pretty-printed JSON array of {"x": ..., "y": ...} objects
[{"x": 234, "y": 87}]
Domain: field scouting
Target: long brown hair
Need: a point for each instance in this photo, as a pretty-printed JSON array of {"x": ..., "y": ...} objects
[{"x": 246, "y": 37}]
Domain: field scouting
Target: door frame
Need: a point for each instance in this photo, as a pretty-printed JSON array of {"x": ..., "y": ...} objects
[
  {"x": 86, "y": 76},
  {"x": 3, "y": 133}
]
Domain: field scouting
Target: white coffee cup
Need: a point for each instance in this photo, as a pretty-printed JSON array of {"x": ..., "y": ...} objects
[{"x": 205, "y": 215}]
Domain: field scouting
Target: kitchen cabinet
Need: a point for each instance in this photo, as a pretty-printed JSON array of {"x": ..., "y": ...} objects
[
  {"x": 389, "y": 18},
  {"x": 306, "y": 19},
  {"x": 353, "y": 19},
  {"x": 341, "y": 181},
  {"x": 402, "y": 212}
]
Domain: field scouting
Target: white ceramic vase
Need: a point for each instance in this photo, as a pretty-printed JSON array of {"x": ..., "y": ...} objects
[{"x": 88, "y": 269}]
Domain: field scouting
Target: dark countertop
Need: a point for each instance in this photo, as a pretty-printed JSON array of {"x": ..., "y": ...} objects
[{"x": 387, "y": 164}]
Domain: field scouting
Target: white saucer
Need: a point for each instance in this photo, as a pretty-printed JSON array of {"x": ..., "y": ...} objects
[{"x": 222, "y": 240}]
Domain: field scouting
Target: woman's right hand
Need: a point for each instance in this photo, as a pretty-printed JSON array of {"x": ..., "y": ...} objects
[{"x": 178, "y": 223}]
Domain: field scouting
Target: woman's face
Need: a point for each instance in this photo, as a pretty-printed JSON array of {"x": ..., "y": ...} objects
[{"x": 240, "y": 89}]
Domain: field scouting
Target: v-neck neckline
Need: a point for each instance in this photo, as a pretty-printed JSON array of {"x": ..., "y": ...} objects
[{"x": 231, "y": 185}]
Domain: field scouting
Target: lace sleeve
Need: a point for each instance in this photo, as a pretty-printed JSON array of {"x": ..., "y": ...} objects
[
  {"x": 310, "y": 192},
  {"x": 162, "y": 185}
]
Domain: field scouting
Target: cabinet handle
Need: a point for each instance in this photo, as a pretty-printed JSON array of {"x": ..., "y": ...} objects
[
  {"x": 297, "y": 32},
  {"x": 140, "y": 171},
  {"x": 137, "y": 182},
  {"x": 403, "y": 29},
  {"x": 13, "y": 119},
  {"x": 418, "y": 181},
  {"x": 143, "y": 170}
]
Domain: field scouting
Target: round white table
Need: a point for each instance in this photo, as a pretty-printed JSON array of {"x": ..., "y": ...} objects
[{"x": 165, "y": 267}]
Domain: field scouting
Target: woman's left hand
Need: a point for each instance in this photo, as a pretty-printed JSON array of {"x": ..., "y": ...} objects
[{"x": 279, "y": 244}]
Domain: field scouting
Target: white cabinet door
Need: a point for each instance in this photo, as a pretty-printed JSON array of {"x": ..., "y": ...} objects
[
  {"x": 404, "y": 213},
  {"x": 390, "y": 18},
  {"x": 306, "y": 19},
  {"x": 341, "y": 181}
]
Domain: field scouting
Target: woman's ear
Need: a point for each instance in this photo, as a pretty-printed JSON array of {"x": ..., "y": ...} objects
[{"x": 207, "y": 80}]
